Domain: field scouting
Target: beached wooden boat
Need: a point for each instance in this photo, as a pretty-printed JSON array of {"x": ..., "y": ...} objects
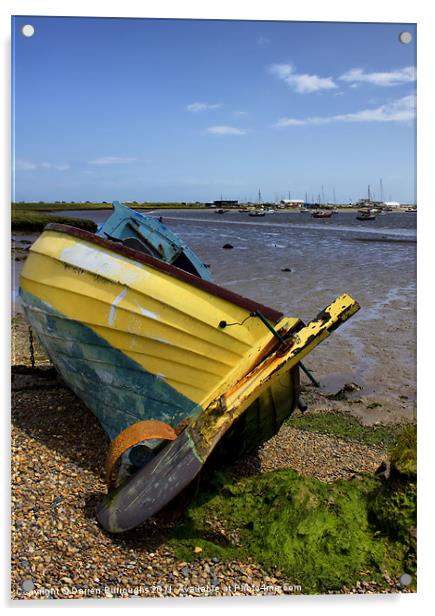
[{"x": 174, "y": 367}]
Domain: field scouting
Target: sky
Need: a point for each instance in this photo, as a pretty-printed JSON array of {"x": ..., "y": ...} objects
[{"x": 194, "y": 110}]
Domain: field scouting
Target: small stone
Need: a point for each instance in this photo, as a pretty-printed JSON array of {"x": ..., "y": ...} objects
[
  {"x": 405, "y": 579},
  {"x": 197, "y": 550},
  {"x": 28, "y": 585},
  {"x": 57, "y": 501}
]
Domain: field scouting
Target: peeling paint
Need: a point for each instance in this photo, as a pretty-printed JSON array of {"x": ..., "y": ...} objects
[
  {"x": 102, "y": 263},
  {"x": 112, "y": 311},
  {"x": 149, "y": 314},
  {"x": 163, "y": 341}
]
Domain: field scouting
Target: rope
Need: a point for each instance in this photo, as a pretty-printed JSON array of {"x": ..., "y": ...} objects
[{"x": 31, "y": 348}]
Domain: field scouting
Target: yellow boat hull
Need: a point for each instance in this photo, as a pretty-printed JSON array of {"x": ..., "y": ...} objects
[
  {"x": 163, "y": 326},
  {"x": 140, "y": 340}
]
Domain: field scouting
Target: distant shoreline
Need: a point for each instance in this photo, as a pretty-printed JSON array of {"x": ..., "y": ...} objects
[
  {"x": 71, "y": 206},
  {"x": 32, "y": 217}
]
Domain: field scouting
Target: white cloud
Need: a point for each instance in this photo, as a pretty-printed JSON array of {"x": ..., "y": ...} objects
[
  {"x": 391, "y": 78},
  {"x": 112, "y": 160},
  {"x": 301, "y": 82},
  {"x": 27, "y": 165},
  {"x": 263, "y": 41},
  {"x": 284, "y": 122},
  {"x": 46, "y": 165},
  {"x": 195, "y": 107},
  {"x": 400, "y": 110},
  {"x": 225, "y": 130}
]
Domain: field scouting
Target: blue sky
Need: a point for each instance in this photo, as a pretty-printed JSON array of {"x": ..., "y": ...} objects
[{"x": 186, "y": 110}]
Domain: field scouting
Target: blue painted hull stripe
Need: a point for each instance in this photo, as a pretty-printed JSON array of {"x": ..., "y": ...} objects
[{"x": 118, "y": 390}]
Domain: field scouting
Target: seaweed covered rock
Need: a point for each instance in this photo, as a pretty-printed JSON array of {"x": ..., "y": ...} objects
[
  {"x": 393, "y": 506},
  {"x": 323, "y": 536},
  {"x": 318, "y": 534}
]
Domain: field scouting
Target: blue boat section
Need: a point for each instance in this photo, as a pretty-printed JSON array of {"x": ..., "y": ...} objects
[
  {"x": 149, "y": 235},
  {"x": 117, "y": 389}
]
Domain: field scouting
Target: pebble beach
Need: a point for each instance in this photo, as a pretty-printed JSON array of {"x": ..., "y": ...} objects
[
  {"x": 58, "y": 448},
  {"x": 58, "y": 549}
]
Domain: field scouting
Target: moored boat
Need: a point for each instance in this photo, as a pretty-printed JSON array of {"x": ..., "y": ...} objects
[
  {"x": 322, "y": 214},
  {"x": 366, "y": 215},
  {"x": 173, "y": 366},
  {"x": 257, "y": 213}
]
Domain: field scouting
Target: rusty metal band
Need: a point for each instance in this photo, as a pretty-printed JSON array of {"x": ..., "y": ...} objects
[{"x": 133, "y": 435}]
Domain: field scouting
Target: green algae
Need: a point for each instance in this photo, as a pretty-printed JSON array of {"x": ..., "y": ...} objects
[
  {"x": 318, "y": 534},
  {"x": 35, "y": 221},
  {"x": 403, "y": 452},
  {"x": 345, "y": 426},
  {"x": 393, "y": 506},
  {"x": 323, "y": 536}
]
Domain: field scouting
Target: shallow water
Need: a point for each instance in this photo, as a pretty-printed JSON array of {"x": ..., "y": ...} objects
[{"x": 374, "y": 261}]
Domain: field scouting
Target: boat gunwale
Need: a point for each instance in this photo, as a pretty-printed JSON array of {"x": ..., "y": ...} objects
[{"x": 172, "y": 270}]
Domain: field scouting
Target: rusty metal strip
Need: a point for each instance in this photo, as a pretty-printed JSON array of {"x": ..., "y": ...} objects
[{"x": 134, "y": 434}]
